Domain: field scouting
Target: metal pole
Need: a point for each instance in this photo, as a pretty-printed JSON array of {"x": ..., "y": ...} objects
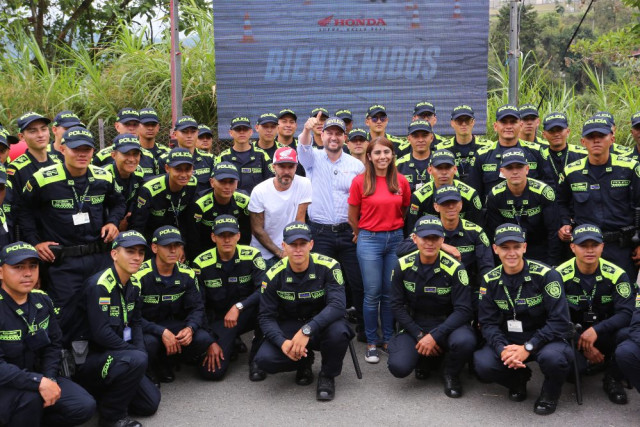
[
  {"x": 176, "y": 69},
  {"x": 101, "y": 133},
  {"x": 514, "y": 50}
]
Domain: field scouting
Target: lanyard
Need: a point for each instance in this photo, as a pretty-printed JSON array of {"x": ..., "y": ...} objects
[
  {"x": 125, "y": 315},
  {"x": 591, "y": 297},
  {"x": 174, "y": 208},
  {"x": 506, "y": 291},
  {"x": 553, "y": 165},
  {"x": 80, "y": 201},
  {"x": 32, "y": 325}
]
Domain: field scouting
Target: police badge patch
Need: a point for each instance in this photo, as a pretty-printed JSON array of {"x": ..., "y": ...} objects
[
  {"x": 464, "y": 278},
  {"x": 259, "y": 263},
  {"x": 553, "y": 289},
  {"x": 337, "y": 274},
  {"x": 623, "y": 289}
]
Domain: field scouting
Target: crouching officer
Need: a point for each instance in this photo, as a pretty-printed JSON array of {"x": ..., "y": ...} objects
[
  {"x": 431, "y": 300},
  {"x": 628, "y": 353},
  {"x": 230, "y": 276},
  {"x": 114, "y": 370},
  {"x": 602, "y": 300},
  {"x": 524, "y": 317},
  {"x": 172, "y": 307},
  {"x": 31, "y": 392},
  {"x": 303, "y": 305}
]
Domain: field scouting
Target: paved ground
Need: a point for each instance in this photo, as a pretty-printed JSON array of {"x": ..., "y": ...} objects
[{"x": 378, "y": 399}]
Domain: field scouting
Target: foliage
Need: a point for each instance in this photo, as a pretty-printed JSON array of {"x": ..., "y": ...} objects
[{"x": 96, "y": 83}]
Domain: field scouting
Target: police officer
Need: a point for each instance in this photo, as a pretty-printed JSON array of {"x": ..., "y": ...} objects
[
  {"x": 186, "y": 133},
  {"x": 205, "y": 138},
  {"x": 431, "y": 300},
  {"x": 163, "y": 200},
  {"x": 69, "y": 212},
  {"x": 230, "y": 276},
  {"x": 443, "y": 169},
  {"x": 347, "y": 117},
  {"x": 628, "y": 352},
  {"x": 524, "y": 317},
  {"x": 469, "y": 240},
  {"x": 62, "y": 122},
  {"x": 173, "y": 322},
  {"x": 616, "y": 148},
  {"x": 602, "y": 300},
  {"x": 358, "y": 143},
  {"x": 302, "y": 308},
  {"x": 415, "y": 163},
  {"x": 530, "y": 124},
  {"x": 127, "y": 121},
  {"x": 485, "y": 173},
  {"x": 222, "y": 199},
  {"x": 527, "y": 202},
  {"x": 377, "y": 120},
  {"x": 558, "y": 154},
  {"x": 251, "y": 161},
  {"x": 287, "y": 126},
  {"x": 602, "y": 189},
  {"x": 148, "y": 131},
  {"x": 464, "y": 144},
  {"x": 147, "y": 162},
  {"x": 34, "y": 130},
  {"x": 425, "y": 110},
  {"x": 31, "y": 391},
  {"x": 114, "y": 369},
  {"x": 266, "y": 127},
  {"x": 127, "y": 173}
]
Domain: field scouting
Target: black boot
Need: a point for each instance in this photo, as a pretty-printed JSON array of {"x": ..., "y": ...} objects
[
  {"x": 546, "y": 404},
  {"x": 255, "y": 373},
  {"x": 452, "y": 386},
  {"x": 614, "y": 390},
  {"x": 326, "y": 389},
  {"x": 304, "y": 374},
  {"x": 518, "y": 392}
]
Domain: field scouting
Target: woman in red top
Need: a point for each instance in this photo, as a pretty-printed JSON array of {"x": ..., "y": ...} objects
[{"x": 378, "y": 202}]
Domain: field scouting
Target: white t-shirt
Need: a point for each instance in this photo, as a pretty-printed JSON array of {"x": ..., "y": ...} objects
[{"x": 279, "y": 207}]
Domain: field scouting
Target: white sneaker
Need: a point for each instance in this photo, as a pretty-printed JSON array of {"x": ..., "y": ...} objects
[{"x": 371, "y": 356}]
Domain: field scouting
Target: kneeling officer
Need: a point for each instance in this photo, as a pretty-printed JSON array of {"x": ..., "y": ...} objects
[
  {"x": 302, "y": 305},
  {"x": 31, "y": 392}
]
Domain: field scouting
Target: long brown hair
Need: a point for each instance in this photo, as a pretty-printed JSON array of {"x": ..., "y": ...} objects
[{"x": 369, "y": 186}]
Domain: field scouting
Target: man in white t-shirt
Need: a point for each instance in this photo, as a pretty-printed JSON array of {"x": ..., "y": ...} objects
[{"x": 276, "y": 202}]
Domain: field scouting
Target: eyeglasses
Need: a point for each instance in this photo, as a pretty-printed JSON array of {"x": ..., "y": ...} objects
[{"x": 376, "y": 119}]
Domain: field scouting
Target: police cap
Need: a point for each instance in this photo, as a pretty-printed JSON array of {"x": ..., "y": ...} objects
[
  {"x": 126, "y": 142},
  {"x": 429, "y": 225},
  {"x": 67, "y": 119},
  {"x": 27, "y": 118},
  {"x": 17, "y": 252},
  {"x": 585, "y": 232},
  {"x": 76, "y": 137},
  {"x": 226, "y": 223},
  {"x": 509, "y": 233},
  {"x": 127, "y": 239},
  {"x": 296, "y": 230},
  {"x": 167, "y": 235}
]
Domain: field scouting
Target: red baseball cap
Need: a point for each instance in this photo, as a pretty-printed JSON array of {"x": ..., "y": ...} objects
[{"x": 285, "y": 155}]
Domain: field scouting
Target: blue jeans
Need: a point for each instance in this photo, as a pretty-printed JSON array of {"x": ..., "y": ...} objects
[{"x": 377, "y": 258}]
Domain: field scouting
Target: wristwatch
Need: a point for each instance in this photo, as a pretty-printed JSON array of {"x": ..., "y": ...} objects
[
  {"x": 420, "y": 335},
  {"x": 239, "y": 306},
  {"x": 528, "y": 346},
  {"x": 306, "y": 330}
]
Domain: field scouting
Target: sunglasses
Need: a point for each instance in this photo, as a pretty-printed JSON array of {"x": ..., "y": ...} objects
[{"x": 376, "y": 119}]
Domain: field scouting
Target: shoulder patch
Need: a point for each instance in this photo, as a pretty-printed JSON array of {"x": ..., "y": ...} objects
[
  {"x": 624, "y": 289},
  {"x": 337, "y": 274},
  {"x": 553, "y": 289},
  {"x": 464, "y": 278}
]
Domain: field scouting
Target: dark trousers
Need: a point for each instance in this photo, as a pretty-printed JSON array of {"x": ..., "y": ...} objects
[
  {"x": 555, "y": 360},
  {"x": 65, "y": 282},
  {"x": 21, "y": 408},
  {"x": 194, "y": 352},
  {"x": 606, "y": 344},
  {"x": 628, "y": 360},
  {"x": 247, "y": 321},
  {"x": 332, "y": 342},
  {"x": 339, "y": 246},
  {"x": 117, "y": 379},
  {"x": 404, "y": 358}
]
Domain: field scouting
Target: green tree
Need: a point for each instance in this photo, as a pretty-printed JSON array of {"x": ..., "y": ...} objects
[{"x": 529, "y": 29}]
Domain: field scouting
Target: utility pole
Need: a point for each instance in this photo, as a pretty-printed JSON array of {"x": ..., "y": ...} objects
[
  {"x": 176, "y": 67},
  {"x": 514, "y": 50}
]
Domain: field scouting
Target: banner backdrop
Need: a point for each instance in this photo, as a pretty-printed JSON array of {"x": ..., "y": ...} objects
[{"x": 351, "y": 54}]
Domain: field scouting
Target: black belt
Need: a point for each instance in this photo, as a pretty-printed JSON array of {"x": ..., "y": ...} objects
[
  {"x": 334, "y": 228},
  {"x": 79, "y": 250}
]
